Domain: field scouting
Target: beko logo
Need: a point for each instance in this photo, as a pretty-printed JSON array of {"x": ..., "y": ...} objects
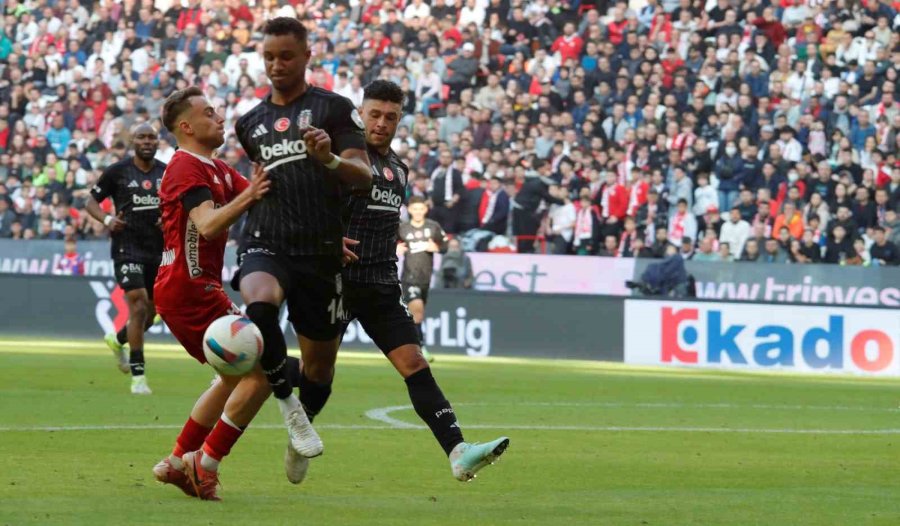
[
  {"x": 387, "y": 197},
  {"x": 282, "y": 149},
  {"x": 145, "y": 200}
]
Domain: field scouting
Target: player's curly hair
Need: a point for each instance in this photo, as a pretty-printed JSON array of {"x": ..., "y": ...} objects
[
  {"x": 284, "y": 25},
  {"x": 176, "y": 104},
  {"x": 383, "y": 90}
]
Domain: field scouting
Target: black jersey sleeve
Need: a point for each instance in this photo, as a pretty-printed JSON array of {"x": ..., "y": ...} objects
[
  {"x": 345, "y": 126},
  {"x": 106, "y": 185},
  {"x": 439, "y": 236},
  {"x": 240, "y": 131}
]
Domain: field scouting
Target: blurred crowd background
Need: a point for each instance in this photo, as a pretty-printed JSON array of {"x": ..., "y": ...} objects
[{"x": 720, "y": 129}]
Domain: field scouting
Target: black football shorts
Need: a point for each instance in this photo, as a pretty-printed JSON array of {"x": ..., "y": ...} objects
[
  {"x": 413, "y": 291},
  {"x": 382, "y": 313},
  {"x": 312, "y": 289},
  {"x": 131, "y": 275}
]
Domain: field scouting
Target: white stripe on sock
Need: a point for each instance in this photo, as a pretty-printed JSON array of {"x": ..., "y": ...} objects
[
  {"x": 230, "y": 422},
  {"x": 209, "y": 463}
]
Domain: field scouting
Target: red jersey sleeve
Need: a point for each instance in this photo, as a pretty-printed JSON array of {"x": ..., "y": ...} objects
[{"x": 183, "y": 173}]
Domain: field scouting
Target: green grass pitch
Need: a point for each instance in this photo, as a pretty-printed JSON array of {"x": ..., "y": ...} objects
[{"x": 592, "y": 444}]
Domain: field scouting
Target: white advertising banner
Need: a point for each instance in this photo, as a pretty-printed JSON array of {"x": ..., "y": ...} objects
[{"x": 762, "y": 337}]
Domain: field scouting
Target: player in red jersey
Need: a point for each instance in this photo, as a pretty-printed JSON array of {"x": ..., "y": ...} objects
[{"x": 200, "y": 197}]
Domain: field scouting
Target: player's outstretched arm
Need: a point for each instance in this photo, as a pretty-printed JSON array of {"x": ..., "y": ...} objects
[{"x": 212, "y": 222}]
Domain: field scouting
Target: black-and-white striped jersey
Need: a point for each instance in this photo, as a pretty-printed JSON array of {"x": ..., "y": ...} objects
[
  {"x": 419, "y": 262},
  {"x": 301, "y": 215},
  {"x": 134, "y": 194},
  {"x": 373, "y": 217}
]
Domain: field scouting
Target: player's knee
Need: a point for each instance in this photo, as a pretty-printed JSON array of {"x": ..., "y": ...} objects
[
  {"x": 264, "y": 315},
  {"x": 260, "y": 287},
  {"x": 320, "y": 373},
  {"x": 139, "y": 311},
  {"x": 408, "y": 360}
]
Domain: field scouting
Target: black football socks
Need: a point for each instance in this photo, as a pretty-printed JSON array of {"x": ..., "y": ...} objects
[
  {"x": 434, "y": 409},
  {"x": 122, "y": 335},
  {"x": 136, "y": 361},
  {"x": 273, "y": 360},
  {"x": 313, "y": 395}
]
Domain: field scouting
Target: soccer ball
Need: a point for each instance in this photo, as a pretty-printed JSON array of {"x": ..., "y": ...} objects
[{"x": 232, "y": 345}]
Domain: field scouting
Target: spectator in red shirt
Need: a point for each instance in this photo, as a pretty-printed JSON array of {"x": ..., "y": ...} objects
[
  {"x": 191, "y": 15},
  {"x": 771, "y": 26},
  {"x": 616, "y": 28},
  {"x": 569, "y": 45}
]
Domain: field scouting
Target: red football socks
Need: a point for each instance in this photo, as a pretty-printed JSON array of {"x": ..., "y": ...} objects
[{"x": 191, "y": 438}]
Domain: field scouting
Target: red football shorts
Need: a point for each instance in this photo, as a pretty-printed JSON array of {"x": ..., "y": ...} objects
[{"x": 188, "y": 321}]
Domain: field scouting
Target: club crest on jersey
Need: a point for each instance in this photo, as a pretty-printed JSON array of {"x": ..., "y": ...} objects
[
  {"x": 418, "y": 234},
  {"x": 357, "y": 119},
  {"x": 282, "y": 124},
  {"x": 388, "y": 173},
  {"x": 146, "y": 185},
  {"x": 304, "y": 120}
]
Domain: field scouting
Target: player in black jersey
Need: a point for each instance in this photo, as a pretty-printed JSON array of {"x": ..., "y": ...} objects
[
  {"x": 419, "y": 238},
  {"x": 137, "y": 243},
  {"x": 311, "y": 142},
  {"x": 372, "y": 292}
]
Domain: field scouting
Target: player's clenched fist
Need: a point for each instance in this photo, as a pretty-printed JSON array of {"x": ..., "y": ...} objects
[
  {"x": 318, "y": 144},
  {"x": 260, "y": 183}
]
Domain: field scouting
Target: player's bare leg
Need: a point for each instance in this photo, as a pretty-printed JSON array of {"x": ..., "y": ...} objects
[
  {"x": 140, "y": 311},
  {"x": 249, "y": 393},
  {"x": 417, "y": 310},
  {"x": 263, "y": 296}
]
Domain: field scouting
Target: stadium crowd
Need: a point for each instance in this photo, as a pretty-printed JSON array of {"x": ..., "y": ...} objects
[{"x": 727, "y": 130}]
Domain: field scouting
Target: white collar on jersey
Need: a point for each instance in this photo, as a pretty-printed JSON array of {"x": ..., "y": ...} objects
[{"x": 206, "y": 160}]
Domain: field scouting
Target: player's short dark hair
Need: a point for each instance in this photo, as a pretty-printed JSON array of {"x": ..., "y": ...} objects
[
  {"x": 284, "y": 25},
  {"x": 416, "y": 200},
  {"x": 383, "y": 90},
  {"x": 176, "y": 104}
]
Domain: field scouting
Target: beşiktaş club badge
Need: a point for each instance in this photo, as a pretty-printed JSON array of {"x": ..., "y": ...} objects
[
  {"x": 357, "y": 119},
  {"x": 304, "y": 120}
]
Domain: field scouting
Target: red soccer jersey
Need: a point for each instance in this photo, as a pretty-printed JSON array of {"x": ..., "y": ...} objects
[{"x": 189, "y": 260}]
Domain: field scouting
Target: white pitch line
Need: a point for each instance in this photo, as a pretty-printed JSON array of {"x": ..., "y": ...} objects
[
  {"x": 678, "y": 405},
  {"x": 382, "y": 414},
  {"x": 663, "y": 429},
  {"x": 407, "y": 426},
  {"x": 129, "y": 427}
]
